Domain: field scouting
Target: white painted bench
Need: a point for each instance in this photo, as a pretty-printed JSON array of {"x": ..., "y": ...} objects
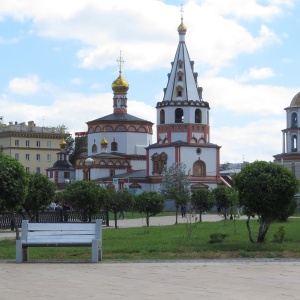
[{"x": 59, "y": 235}]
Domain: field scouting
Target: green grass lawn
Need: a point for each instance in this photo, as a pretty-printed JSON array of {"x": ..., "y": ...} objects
[{"x": 182, "y": 241}]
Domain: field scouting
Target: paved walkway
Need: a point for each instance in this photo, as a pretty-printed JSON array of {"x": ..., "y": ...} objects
[
  {"x": 155, "y": 280},
  {"x": 201, "y": 279}
]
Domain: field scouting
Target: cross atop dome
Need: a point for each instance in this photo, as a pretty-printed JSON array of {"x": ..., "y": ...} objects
[{"x": 120, "y": 62}]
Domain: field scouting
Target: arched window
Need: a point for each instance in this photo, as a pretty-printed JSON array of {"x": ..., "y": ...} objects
[
  {"x": 159, "y": 162},
  {"x": 294, "y": 120},
  {"x": 198, "y": 116},
  {"x": 162, "y": 116},
  {"x": 94, "y": 148},
  {"x": 199, "y": 168},
  {"x": 179, "y": 115},
  {"x": 294, "y": 143},
  {"x": 114, "y": 146}
]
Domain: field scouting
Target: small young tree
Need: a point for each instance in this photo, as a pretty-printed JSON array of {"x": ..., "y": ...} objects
[
  {"x": 176, "y": 185},
  {"x": 13, "y": 186},
  {"x": 202, "y": 201},
  {"x": 265, "y": 189},
  {"x": 117, "y": 201},
  {"x": 221, "y": 198},
  {"x": 83, "y": 196},
  {"x": 149, "y": 203},
  {"x": 41, "y": 192}
]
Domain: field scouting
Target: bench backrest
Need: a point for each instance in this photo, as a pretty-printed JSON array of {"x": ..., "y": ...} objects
[{"x": 61, "y": 233}]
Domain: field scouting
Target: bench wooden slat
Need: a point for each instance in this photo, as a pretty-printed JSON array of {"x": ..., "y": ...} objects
[
  {"x": 62, "y": 232},
  {"x": 61, "y": 239},
  {"x": 61, "y": 226}
]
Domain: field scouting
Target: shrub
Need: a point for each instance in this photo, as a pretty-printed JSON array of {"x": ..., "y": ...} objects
[
  {"x": 217, "y": 237},
  {"x": 279, "y": 235}
]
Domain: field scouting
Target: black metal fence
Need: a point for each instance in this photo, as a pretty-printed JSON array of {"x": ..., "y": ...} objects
[{"x": 6, "y": 221}]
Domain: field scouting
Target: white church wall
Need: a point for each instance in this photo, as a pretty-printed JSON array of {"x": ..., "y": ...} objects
[
  {"x": 179, "y": 136},
  {"x": 127, "y": 141}
]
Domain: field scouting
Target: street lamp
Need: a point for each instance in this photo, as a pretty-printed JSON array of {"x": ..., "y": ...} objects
[{"x": 88, "y": 163}]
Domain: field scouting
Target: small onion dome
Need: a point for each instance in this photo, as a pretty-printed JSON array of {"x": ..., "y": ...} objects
[
  {"x": 296, "y": 100},
  {"x": 63, "y": 144},
  {"x": 120, "y": 85},
  {"x": 182, "y": 28},
  {"x": 104, "y": 143}
]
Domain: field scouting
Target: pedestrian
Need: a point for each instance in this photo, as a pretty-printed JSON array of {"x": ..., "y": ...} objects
[
  {"x": 65, "y": 209},
  {"x": 183, "y": 210},
  {"x": 121, "y": 214}
]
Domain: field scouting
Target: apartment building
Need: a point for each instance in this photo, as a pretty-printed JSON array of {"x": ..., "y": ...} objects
[{"x": 35, "y": 147}]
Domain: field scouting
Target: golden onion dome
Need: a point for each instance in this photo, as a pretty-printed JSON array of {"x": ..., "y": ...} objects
[
  {"x": 63, "y": 144},
  {"x": 104, "y": 143},
  {"x": 120, "y": 85},
  {"x": 182, "y": 28},
  {"x": 296, "y": 100}
]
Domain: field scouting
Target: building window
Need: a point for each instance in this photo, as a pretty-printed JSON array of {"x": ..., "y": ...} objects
[
  {"x": 51, "y": 174},
  {"x": 49, "y": 144},
  {"x": 114, "y": 146},
  {"x": 27, "y": 143},
  {"x": 294, "y": 143},
  {"x": 197, "y": 115},
  {"x": 179, "y": 115},
  {"x": 179, "y": 93},
  {"x": 162, "y": 116},
  {"x": 38, "y": 157},
  {"x": 112, "y": 173},
  {"x": 27, "y": 169},
  {"x": 38, "y": 144},
  {"x": 294, "y": 120},
  {"x": 66, "y": 175},
  {"x": 48, "y": 157},
  {"x": 159, "y": 162},
  {"x": 38, "y": 170},
  {"x": 27, "y": 156},
  {"x": 17, "y": 143},
  {"x": 199, "y": 168},
  {"x": 17, "y": 156},
  {"x": 94, "y": 148}
]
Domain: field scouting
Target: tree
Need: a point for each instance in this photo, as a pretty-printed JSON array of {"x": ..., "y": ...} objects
[
  {"x": 117, "y": 201},
  {"x": 176, "y": 185},
  {"x": 265, "y": 189},
  {"x": 220, "y": 195},
  {"x": 149, "y": 203},
  {"x": 84, "y": 196},
  {"x": 13, "y": 186},
  {"x": 41, "y": 191},
  {"x": 79, "y": 149},
  {"x": 202, "y": 201}
]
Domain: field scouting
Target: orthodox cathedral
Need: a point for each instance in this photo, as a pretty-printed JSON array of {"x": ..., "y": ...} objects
[{"x": 120, "y": 149}]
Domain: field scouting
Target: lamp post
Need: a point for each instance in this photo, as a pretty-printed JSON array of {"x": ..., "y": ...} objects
[{"x": 88, "y": 163}]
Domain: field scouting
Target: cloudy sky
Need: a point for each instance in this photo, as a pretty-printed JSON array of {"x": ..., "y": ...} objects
[{"x": 58, "y": 60}]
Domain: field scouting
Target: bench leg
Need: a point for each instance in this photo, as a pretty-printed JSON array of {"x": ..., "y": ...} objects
[
  {"x": 96, "y": 251},
  {"x": 19, "y": 252}
]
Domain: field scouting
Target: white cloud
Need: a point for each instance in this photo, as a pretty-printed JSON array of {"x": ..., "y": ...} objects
[
  {"x": 258, "y": 140},
  {"x": 29, "y": 85},
  {"x": 104, "y": 28},
  {"x": 76, "y": 81},
  {"x": 257, "y": 74},
  {"x": 246, "y": 99}
]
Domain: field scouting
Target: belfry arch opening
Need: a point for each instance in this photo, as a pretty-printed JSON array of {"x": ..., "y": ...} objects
[
  {"x": 198, "y": 115},
  {"x": 179, "y": 115},
  {"x": 162, "y": 116},
  {"x": 294, "y": 120},
  {"x": 294, "y": 143}
]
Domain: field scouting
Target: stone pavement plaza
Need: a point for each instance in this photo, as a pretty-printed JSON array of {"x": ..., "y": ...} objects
[
  {"x": 151, "y": 280},
  {"x": 189, "y": 279}
]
